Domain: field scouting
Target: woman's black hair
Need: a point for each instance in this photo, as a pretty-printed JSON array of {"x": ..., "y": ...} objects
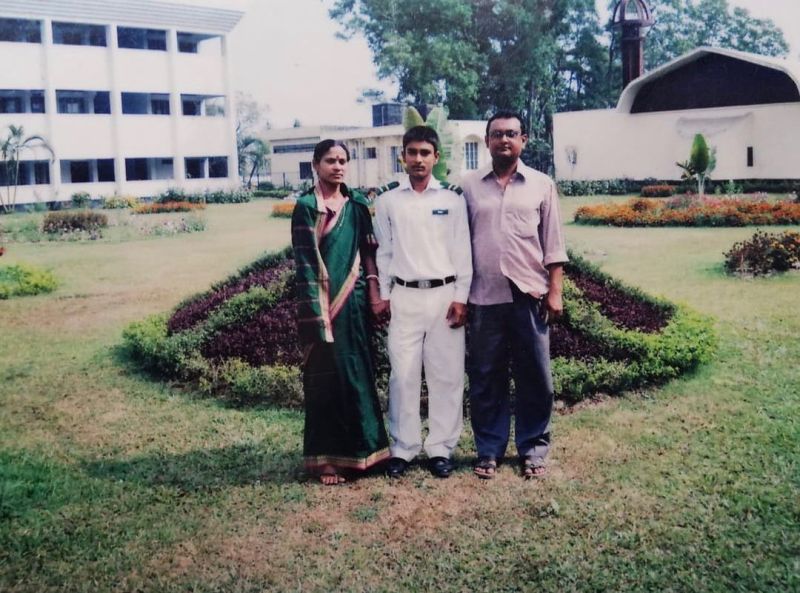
[{"x": 324, "y": 146}]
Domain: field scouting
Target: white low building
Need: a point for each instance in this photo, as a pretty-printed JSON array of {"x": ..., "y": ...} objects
[
  {"x": 133, "y": 97},
  {"x": 747, "y": 106},
  {"x": 374, "y": 152}
]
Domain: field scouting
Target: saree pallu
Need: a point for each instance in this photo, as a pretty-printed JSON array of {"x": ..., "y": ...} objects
[{"x": 343, "y": 421}]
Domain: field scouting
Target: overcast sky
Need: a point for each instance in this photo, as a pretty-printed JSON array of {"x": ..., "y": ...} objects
[{"x": 286, "y": 55}]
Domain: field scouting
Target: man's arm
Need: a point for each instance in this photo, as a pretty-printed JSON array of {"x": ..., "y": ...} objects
[
  {"x": 383, "y": 258},
  {"x": 461, "y": 253},
  {"x": 554, "y": 300},
  {"x": 555, "y": 251}
]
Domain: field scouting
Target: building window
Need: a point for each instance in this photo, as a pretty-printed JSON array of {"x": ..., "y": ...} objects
[
  {"x": 749, "y": 156},
  {"x": 146, "y": 169},
  {"x": 145, "y": 104},
  {"x": 287, "y": 148},
  {"x": 83, "y": 102},
  {"x": 305, "y": 171},
  {"x": 41, "y": 172},
  {"x": 79, "y": 34},
  {"x": 30, "y": 173},
  {"x": 471, "y": 155},
  {"x": 193, "y": 43},
  {"x": 210, "y": 105},
  {"x": 10, "y": 104},
  {"x": 79, "y": 172},
  {"x": 37, "y": 102},
  {"x": 136, "y": 170},
  {"x": 195, "y": 167},
  {"x": 131, "y": 38},
  {"x": 397, "y": 162},
  {"x": 105, "y": 170},
  {"x": 370, "y": 152},
  {"x": 20, "y": 30},
  {"x": 21, "y": 101},
  {"x": 159, "y": 105},
  {"x": 217, "y": 166}
]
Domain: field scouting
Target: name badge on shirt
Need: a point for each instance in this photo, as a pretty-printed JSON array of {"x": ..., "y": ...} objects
[{"x": 440, "y": 212}]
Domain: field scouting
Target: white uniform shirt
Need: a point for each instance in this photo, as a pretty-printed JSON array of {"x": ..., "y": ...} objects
[{"x": 423, "y": 236}]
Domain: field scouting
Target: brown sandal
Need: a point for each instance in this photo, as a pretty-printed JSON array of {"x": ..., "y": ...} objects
[
  {"x": 532, "y": 467},
  {"x": 485, "y": 468}
]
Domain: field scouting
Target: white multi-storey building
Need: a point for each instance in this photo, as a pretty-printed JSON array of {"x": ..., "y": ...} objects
[{"x": 133, "y": 96}]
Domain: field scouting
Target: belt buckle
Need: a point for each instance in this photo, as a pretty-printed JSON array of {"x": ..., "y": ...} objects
[{"x": 424, "y": 283}]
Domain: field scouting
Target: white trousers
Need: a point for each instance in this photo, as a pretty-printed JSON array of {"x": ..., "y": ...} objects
[{"x": 419, "y": 334}]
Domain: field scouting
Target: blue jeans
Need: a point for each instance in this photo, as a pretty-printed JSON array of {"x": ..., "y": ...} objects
[{"x": 511, "y": 335}]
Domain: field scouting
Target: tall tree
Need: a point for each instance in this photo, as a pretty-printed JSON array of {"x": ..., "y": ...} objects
[
  {"x": 682, "y": 25},
  {"x": 251, "y": 122},
  {"x": 428, "y": 46}
]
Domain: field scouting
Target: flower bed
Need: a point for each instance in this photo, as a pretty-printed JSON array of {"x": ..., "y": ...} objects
[
  {"x": 764, "y": 253},
  {"x": 25, "y": 280},
  {"x": 238, "y": 339},
  {"x": 692, "y": 211},
  {"x": 283, "y": 210},
  {"x": 160, "y": 208}
]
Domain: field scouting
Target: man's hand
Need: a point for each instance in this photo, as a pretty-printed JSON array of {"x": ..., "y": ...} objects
[
  {"x": 381, "y": 312},
  {"x": 457, "y": 314},
  {"x": 554, "y": 305}
]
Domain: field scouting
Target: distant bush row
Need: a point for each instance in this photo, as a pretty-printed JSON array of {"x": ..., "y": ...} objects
[{"x": 617, "y": 187}]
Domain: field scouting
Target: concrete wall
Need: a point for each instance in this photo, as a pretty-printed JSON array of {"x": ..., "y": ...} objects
[{"x": 609, "y": 144}]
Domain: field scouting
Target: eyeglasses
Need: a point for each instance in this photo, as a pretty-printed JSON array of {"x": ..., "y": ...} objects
[{"x": 498, "y": 134}]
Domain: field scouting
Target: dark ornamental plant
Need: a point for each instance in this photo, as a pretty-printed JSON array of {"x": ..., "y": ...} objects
[{"x": 238, "y": 339}]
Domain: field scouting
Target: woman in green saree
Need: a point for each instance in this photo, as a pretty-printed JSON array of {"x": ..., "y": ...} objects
[{"x": 334, "y": 252}]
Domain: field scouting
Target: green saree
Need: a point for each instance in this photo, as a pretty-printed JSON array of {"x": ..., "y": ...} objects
[{"x": 343, "y": 421}]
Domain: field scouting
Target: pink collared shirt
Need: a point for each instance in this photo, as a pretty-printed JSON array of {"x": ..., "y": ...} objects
[{"x": 516, "y": 233}]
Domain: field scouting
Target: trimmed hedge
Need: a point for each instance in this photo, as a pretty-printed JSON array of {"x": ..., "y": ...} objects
[
  {"x": 238, "y": 339},
  {"x": 71, "y": 222},
  {"x": 236, "y": 196},
  {"x": 25, "y": 280},
  {"x": 657, "y": 191},
  {"x": 632, "y": 186}
]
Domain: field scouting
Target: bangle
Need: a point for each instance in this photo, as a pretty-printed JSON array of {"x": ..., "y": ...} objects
[{"x": 370, "y": 276}]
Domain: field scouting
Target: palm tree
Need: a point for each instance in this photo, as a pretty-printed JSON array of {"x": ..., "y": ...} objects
[{"x": 11, "y": 148}]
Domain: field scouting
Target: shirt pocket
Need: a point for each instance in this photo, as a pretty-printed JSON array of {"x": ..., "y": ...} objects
[{"x": 523, "y": 222}]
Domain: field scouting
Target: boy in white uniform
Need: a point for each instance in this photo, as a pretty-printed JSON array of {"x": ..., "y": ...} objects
[{"x": 425, "y": 269}]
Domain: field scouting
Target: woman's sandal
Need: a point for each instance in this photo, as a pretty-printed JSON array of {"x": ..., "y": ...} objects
[
  {"x": 485, "y": 468},
  {"x": 532, "y": 467}
]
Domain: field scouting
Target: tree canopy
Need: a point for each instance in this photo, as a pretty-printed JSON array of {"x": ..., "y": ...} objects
[{"x": 537, "y": 57}]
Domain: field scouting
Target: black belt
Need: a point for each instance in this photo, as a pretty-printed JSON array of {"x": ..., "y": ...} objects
[{"x": 424, "y": 283}]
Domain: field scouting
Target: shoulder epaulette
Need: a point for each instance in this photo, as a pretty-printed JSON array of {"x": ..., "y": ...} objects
[
  {"x": 452, "y": 187},
  {"x": 384, "y": 188}
]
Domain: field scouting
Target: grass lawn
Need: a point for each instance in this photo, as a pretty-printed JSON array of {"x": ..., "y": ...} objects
[{"x": 112, "y": 482}]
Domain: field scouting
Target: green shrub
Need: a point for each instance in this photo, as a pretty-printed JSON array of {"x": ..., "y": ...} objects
[
  {"x": 274, "y": 193},
  {"x": 21, "y": 229},
  {"x": 116, "y": 202},
  {"x": 172, "y": 194},
  {"x": 60, "y": 223},
  {"x": 764, "y": 253},
  {"x": 265, "y": 185},
  {"x": 81, "y": 199},
  {"x": 25, "y": 280},
  {"x": 238, "y": 196},
  {"x": 657, "y": 191}
]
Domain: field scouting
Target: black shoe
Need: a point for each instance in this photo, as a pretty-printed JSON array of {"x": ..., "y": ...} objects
[
  {"x": 441, "y": 467},
  {"x": 396, "y": 467}
]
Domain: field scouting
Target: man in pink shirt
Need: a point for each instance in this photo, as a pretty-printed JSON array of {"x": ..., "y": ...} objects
[{"x": 518, "y": 252}]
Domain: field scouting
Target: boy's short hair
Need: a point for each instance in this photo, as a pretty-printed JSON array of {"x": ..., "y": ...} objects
[{"x": 421, "y": 134}]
